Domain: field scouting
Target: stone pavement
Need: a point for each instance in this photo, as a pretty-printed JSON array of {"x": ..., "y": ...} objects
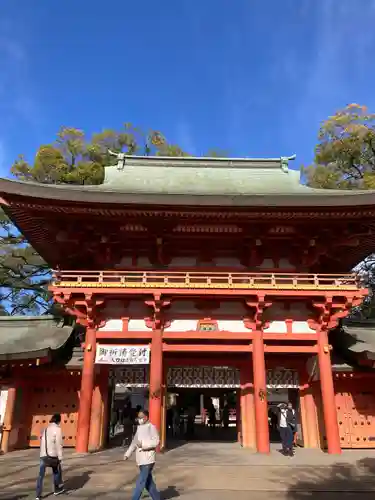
[{"x": 202, "y": 471}]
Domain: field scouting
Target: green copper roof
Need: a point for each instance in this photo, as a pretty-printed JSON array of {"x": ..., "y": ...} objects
[
  {"x": 28, "y": 337},
  {"x": 359, "y": 337},
  {"x": 202, "y": 176},
  {"x": 189, "y": 181}
]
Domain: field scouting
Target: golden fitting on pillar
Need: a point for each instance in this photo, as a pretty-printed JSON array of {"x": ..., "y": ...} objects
[
  {"x": 327, "y": 348},
  {"x": 262, "y": 395},
  {"x": 89, "y": 348}
]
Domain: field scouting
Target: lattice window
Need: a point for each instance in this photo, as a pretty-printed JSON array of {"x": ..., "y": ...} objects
[
  {"x": 282, "y": 378},
  {"x": 132, "y": 376},
  {"x": 203, "y": 377}
]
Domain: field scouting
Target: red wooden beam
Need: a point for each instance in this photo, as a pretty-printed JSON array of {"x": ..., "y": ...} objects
[
  {"x": 25, "y": 363},
  {"x": 218, "y": 335},
  {"x": 200, "y": 335},
  {"x": 290, "y": 348},
  {"x": 121, "y": 335},
  {"x": 291, "y": 336},
  {"x": 206, "y": 348}
]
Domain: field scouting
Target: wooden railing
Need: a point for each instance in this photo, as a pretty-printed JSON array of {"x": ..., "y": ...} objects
[{"x": 200, "y": 280}]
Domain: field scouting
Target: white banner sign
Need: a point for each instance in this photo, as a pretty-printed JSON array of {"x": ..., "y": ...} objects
[{"x": 122, "y": 355}]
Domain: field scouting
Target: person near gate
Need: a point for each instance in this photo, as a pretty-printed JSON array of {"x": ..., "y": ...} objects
[
  {"x": 287, "y": 426},
  {"x": 51, "y": 452},
  {"x": 144, "y": 443}
]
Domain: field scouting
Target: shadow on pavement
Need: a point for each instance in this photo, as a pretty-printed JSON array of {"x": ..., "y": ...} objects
[
  {"x": 346, "y": 480},
  {"x": 169, "y": 493},
  {"x": 13, "y": 497},
  {"x": 74, "y": 483}
]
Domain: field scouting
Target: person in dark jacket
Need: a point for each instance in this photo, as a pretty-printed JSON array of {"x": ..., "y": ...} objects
[{"x": 287, "y": 426}]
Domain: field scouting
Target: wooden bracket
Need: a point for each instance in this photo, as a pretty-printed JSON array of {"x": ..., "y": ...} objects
[
  {"x": 157, "y": 320},
  {"x": 331, "y": 312},
  {"x": 87, "y": 311},
  {"x": 257, "y": 322}
]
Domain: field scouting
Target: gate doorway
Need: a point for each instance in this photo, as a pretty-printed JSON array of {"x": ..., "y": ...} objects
[
  {"x": 275, "y": 398},
  {"x": 125, "y": 402},
  {"x": 201, "y": 415},
  {"x": 201, "y": 404},
  {"x": 128, "y": 392}
]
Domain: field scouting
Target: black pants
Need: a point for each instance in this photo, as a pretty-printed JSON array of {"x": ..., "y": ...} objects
[{"x": 286, "y": 435}]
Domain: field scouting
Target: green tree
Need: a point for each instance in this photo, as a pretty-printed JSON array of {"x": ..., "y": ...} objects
[
  {"x": 71, "y": 158},
  {"x": 24, "y": 276},
  {"x": 217, "y": 153},
  {"x": 345, "y": 153},
  {"x": 345, "y": 159},
  {"x": 74, "y": 159}
]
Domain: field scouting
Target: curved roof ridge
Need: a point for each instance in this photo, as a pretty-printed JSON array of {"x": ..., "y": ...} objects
[{"x": 207, "y": 159}]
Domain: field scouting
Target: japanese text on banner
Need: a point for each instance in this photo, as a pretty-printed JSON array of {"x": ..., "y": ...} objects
[{"x": 122, "y": 355}]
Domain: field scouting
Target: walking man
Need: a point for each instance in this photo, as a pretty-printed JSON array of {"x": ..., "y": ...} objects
[
  {"x": 144, "y": 443},
  {"x": 51, "y": 447},
  {"x": 287, "y": 426}
]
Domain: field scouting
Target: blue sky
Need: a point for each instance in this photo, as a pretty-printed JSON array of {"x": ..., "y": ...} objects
[{"x": 252, "y": 77}]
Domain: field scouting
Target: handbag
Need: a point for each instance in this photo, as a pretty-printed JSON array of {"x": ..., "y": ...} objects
[
  {"x": 291, "y": 419},
  {"x": 49, "y": 461}
]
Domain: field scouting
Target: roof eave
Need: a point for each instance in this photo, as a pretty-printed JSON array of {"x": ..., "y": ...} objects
[{"x": 24, "y": 193}]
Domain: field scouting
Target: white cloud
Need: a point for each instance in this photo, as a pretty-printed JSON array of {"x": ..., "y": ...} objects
[
  {"x": 4, "y": 167},
  {"x": 316, "y": 57},
  {"x": 17, "y": 104},
  {"x": 185, "y": 138},
  {"x": 12, "y": 49},
  {"x": 343, "y": 52}
]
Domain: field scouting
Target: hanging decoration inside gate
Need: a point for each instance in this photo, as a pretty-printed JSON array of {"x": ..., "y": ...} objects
[
  {"x": 203, "y": 377},
  {"x": 131, "y": 376},
  {"x": 226, "y": 377},
  {"x": 282, "y": 378},
  {"x": 122, "y": 355}
]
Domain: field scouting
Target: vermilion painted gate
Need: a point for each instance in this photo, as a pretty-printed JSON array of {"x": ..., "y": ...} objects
[{"x": 356, "y": 418}]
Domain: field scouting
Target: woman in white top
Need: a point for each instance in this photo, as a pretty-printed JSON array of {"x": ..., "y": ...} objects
[{"x": 51, "y": 450}]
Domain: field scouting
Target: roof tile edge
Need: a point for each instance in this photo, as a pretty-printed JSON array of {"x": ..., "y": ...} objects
[{"x": 202, "y": 162}]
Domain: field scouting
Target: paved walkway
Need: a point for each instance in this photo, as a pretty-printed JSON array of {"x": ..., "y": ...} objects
[{"x": 203, "y": 471}]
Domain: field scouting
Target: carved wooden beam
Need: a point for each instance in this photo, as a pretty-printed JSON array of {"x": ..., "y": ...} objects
[
  {"x": 157, "y": 319},
  {"x": 87, "y": 311},
  {"x": 259, "y": 306},
  {"x": 331, "y": 312}
]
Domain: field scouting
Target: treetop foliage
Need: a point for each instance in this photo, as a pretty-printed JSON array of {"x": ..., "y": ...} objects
[
  {"x": 345, "y": 153},
  {"x": 74, "y": 159}
]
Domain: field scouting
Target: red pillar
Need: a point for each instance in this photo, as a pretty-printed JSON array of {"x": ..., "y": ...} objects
[
  {"x": 247, "y": 407},
  {"x": 96, "y": 418},
  {"x": 238, "y": 416},
  {"x": 312, "y": 420},
  {"x": 8, "y": 418},
  {"x": 309, "y": 418},
  {"x": 104, "y": 390},
  {"x": 85, "y": 396},
  {"x": 328, "y": 394},
  {"x": 156, "y": 379},
  {"x": 260, "y": 395}
]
